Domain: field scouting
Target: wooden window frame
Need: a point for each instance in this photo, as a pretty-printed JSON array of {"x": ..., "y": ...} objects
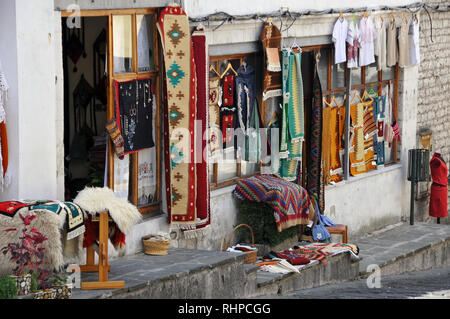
[
  {"x": 363, "y": 86},
  {"x": 215, "y": 183},
  {"x": 153, "y": 208}
]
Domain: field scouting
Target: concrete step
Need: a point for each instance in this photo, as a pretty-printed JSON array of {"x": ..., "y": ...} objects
[
  {"x": 405, "y": 248},
  {"x": 182, "y": 274},
  {"x": 338, "y": 268}
]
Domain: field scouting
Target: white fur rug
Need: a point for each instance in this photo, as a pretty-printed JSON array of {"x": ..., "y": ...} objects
[
  {"x": 98, "y": 199},
  {"x": 58, "y": 252}
]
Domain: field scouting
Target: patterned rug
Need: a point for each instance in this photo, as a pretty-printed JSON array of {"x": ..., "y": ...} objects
[
  {"x": 180, "y": 83},
  {"x": 314, "y": 182},
  {"x": 289, "y": 201}
]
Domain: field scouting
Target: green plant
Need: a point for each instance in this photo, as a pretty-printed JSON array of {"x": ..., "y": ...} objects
[
  {"x": 34, "y": 283},
  {"x": 8, "y": 288},
  {"x": 260, "y": 218},
  {"x": 58, "y": 279}
]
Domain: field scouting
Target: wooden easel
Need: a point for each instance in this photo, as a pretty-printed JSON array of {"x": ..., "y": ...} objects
[{"x": 102, "y": 268}]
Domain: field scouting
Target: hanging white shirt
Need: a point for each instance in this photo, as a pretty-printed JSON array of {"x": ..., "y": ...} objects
[
  {"x": 339, "y": 36},
  {"x": 414, "y": 50},
  {"x": 367, "y": 35},
  {"x": 380, "y": 43},
  {"x": 353, "y": 40}
]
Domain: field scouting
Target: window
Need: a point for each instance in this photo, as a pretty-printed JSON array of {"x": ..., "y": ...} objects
[
  {"x": 368, "y": 83},
  {"x": 135, "y": 57},
  {"x": 228, "y": 166}
]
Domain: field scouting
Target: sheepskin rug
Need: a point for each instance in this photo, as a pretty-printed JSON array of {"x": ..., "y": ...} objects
[
  {"x": 98, "y": 199},
  {"x": 58, "y": 252}
]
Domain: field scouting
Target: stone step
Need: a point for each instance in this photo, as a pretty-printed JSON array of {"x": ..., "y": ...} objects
[{"x": 405, "y": 248}]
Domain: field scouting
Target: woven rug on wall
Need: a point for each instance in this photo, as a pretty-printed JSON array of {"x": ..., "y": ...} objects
[{"x": 180, "y": 99}]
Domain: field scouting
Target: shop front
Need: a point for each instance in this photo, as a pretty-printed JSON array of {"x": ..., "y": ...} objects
[{"x": 124, "y": 53}]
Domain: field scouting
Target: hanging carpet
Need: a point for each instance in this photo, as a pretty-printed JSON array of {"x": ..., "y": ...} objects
[{"x": 180, "y": 115}]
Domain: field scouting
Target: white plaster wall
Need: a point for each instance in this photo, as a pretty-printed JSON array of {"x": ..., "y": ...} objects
[
  {"x": 200, "y": 8},
  {"x": 28, "y": 37},
  {"x": 8, "y": 57}
]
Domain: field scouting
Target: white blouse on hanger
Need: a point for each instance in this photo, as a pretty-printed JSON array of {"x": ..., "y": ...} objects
[
  {"x": 367, "y": 36},
  {"x": 414, "y": 50},
  {"x": 339, "y": 36},
  {"x": 3, "y": 89},
  {"x": 380, "y": 43}
]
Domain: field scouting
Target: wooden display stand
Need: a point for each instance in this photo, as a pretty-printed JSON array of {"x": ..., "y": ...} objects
[
  {"x": 102, "y": 268},
  {"x": 340, "y": 230}
]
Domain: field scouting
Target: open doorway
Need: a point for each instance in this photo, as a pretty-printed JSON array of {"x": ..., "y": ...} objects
[
  {"x": 85, "y": 103},
  {"x": 112, "y": 75}
]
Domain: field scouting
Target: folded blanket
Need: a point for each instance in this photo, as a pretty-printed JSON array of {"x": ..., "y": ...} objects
[{"x": 290, "y": 201}]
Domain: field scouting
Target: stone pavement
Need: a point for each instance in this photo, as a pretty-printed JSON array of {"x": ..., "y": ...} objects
[
  {"x": 181, "y": 265},
  {"x": 188, "y": 273},
  {"x": 405, "y": 248},
  {"x": 426, "y": 284}
]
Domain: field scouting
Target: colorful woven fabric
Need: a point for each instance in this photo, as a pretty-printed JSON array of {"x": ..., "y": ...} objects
[
  {"x": 180, "y": 99},
  {"x": 296, "y": 107},
  {"x": 313, "y": 182},
  {"x": 214, "y": 115},
  {"x": 270, "y": 38},
  {"x": 289, "y": 201},
  {"x": 74, "y": 215},
  {"x": 200, "y": 51}
]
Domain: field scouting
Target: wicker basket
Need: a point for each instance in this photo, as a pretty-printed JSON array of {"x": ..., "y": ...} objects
[
  {"x": 158, "y": 248},
  {"x": 251, "y": 255}
]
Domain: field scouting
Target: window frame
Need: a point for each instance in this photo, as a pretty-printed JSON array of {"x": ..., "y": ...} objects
[
  {"x": 215, "y": 184},
  {"x": 153, "y": 208}
]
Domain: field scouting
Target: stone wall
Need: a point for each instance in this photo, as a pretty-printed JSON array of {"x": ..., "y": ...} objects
[{"x": 433, "y": 109}]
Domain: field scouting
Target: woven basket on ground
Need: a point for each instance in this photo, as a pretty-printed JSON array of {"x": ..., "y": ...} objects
[
  {"x": 155, "y": 247},
  {"x": 251, "y": 255}
]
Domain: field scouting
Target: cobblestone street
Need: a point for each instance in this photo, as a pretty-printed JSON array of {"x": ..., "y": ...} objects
[{"x": 434, "y": 283}]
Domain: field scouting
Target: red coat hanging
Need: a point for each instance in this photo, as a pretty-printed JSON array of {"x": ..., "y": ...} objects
[{"x": 438, "y": 196}]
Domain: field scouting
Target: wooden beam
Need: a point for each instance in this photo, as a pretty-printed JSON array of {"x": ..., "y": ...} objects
[{"x": 107, "y": 12}]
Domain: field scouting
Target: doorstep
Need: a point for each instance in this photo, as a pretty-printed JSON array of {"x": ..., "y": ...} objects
[
  {"x": 405, "y": 248},
  {"x": 183, "y": 273}
]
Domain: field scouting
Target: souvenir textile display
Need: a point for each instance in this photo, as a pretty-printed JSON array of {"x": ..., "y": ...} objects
[
  {"x": 179, "y": 115},
  {"x": 214, "y": 114},
  {"x": 331, "y": 140},
  {"x": 339, "y": 36},
  {"x": 391, "y": 44},
  {"x": 292, "y": 131},
  {"x": 94, "y": 200},
  {"x": 116, "y": 137},
  {"x": 270, "y": 37},
  {"x": 367, "y": 36},
  {"x": 5, "y": 178},
  {"x": 353, "y": 44},
  {"x": 200, "y": 53},
  {"x": 53, "y": 221},
  {"x": 439, "y": 188},
  {"x": 314, "y": 181},
  {"x": 414, "y": 48},
  {"x": 134, "y": 109},
  {"x": 403, "y": 44},
  {"x": 380, "y": 43},
  {"x": 289, "y": 201}
]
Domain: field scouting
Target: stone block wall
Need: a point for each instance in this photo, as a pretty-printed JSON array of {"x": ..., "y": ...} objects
[{"x": 433, "y": 109}]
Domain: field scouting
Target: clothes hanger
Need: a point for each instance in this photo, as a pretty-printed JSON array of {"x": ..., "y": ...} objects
[
  {"x": 366, "y": 95},
  {"x": 229, "y": 67},
  {"x": 295, "y": 45},
  {"x": 341, "y": 16},
  {"x": 372, "y": 92},
  {"x": 213, "y": 69},
  {"x": 354, "y": 97}
]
